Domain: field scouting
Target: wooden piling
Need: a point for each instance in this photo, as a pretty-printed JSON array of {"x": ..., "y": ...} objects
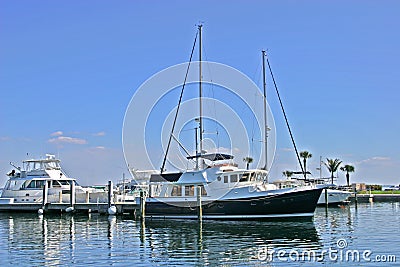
[
  {"x": 199, "y": 207},
  {"x": 355, "y": 197},
  {"x": 142, "y": 205},
  {"x": 45, "y": 193},
  {"x": 110, "y": 193},
  {"x": 326, "y": 197},
  {"x": 371, "y": 198},
  {"x": 72, "y": 194},
  {"x": 87, "y": 197}
]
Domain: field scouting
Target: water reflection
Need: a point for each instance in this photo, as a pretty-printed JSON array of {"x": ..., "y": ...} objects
[
  {"x": 102, "y": 240},
  {"x": 52, "y": 240},
  {"x": 226, "y": 242}
]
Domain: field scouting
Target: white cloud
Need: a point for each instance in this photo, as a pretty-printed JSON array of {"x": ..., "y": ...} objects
[
  {"x": 4, "y": 138},
  {"x": 69, "y": 140},
  {"x": 58, "y": 133},
  {"x": 287, "y": 149},
  {"x": 375, "y": 160},
  {"x": 99, "y": 134}
]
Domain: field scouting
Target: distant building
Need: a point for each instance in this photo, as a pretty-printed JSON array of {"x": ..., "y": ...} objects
[{"x": 358, "y": 187}]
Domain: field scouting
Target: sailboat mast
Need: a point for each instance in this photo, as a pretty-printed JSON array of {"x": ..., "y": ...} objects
[
  {"x": 265, "y": 113},
  {"x": 200, "y": 100}
]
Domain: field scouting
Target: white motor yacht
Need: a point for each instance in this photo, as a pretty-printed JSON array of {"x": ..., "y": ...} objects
[
  {"x": 25, "y": 184},
  {"x": 335, "y": 195}
]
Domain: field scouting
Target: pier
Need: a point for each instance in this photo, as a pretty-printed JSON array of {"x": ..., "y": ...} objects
[
  {"x": 88, "y": 203},
  {"x": 365, "y": 198},
  {"x": 101, "y": 208}
]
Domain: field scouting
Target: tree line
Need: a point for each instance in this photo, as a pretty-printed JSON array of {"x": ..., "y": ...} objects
[{"x": 331, "y": 164}]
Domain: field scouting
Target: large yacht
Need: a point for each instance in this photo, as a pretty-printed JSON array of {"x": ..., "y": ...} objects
[
  {"x": 25, "y": 184},
  {"x": 217, "y": 189},
  {"x": 227, "y": 192}
]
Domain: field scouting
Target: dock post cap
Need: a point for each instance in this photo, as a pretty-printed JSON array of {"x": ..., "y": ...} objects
[
  {"x": 112, "y": 210},
  {"x": 69, "y": 209}
]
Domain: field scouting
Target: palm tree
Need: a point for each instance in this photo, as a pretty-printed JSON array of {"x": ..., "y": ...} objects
[
  {"x": 287, "y": 174},
  {"x": 248, "y": 160},
  {"x": 348, "y": 168},
  {"x": 332, "y": 165},
  {"x": 305, "y": 155}
]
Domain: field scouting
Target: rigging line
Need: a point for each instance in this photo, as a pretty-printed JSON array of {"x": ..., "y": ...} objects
[
  {"x": 287, "y": 122},
  {"x": 180, "y": 144},
  {"x": 179, "y": 104}
]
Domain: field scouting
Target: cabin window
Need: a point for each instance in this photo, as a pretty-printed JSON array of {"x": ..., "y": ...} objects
[
  {"x": 244, "y": 177},
  {"x": 25, "y": 184},
  {"x": 234, "y": 178},
  {"x": 226, "y": 179},
  {"x": 203, "y": 190},
  {"x": 36, "y": 184},
  {"x": 189, "y": 190},
  {"x": 7, "y": 186},
  {"x": 63, "y": 182},
  {"x": 176, "y": 191},
  {"x": 37, "y": 166},
  {"x": 56, "y": 183}
]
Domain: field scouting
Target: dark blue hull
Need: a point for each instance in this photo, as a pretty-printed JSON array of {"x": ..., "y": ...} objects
[{"x": 293, "y": 204}]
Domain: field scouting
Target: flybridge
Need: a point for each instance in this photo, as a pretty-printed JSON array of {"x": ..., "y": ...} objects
[{"x": 212, "y": 156}]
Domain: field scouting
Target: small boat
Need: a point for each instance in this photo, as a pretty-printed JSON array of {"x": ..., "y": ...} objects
[
  {"x": 335, "y": 196},
  {"x": 217, "y": 189},
  {"x": 25, "y": 184}
]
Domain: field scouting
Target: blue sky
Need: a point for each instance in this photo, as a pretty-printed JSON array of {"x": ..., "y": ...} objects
[{"x": 68, "y": 70}]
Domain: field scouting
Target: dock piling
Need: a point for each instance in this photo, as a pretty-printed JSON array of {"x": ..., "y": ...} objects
[
  {"x": 45, "y": 194},
  {"x": 199, "y": 207},
  {"x": 110, "y": 193},
  {"x": 87, "y": 197},
  {"x": 326, "y": 197},
  {"x": 72, "y": 193},
  {"x": 371, "y": 198},
  {"x": 142, "y": 205},
  {"x": 355, "y": 198}
]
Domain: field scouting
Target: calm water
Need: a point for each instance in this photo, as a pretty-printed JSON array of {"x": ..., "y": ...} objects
[{"x": 370, "y": 231}]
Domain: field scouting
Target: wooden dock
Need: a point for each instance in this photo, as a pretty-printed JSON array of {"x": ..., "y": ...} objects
[
  {"x": 102, "y": 208},
  {"x": 365, "y": 198},
  {"x": 72, "y": 206}
]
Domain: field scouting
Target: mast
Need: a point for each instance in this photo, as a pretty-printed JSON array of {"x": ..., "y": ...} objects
[
  {"x": 200, "y": 102},
  {"x": 265, "y": 113}
]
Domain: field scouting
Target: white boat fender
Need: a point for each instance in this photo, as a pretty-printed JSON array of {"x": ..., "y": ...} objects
[
  {"x": 69, "y": 209},
  {"x": 40, "y": 211},
  {"x": 112, "y": 210}
]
